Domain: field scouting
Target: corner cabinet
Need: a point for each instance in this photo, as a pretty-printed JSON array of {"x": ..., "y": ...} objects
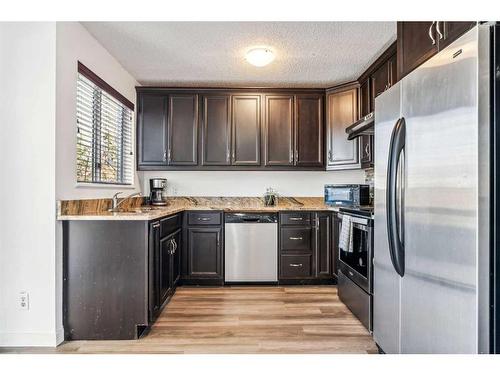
[{"x": 342, "y": 111}]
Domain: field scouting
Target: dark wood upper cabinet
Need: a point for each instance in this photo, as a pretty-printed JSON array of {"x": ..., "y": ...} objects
[
  {"x": 380, "y": 79},
  {"x": 152, "y": 130},
  {"x": 183, "y": 129},
  {"x": 365, "y": 98},
  {"x": 342, "y": 111},
  {"x": 216, "y": 130},
  {"x": 419, "y": 41},
  {"x": 416, "y": 43},
  {"x": 452, "y": 30},
  {"x": 246, "y": 120},
  {"x": 231, "y": 129},
  {"x": 309, "y": 130},
  {"x": 278, "y": 130},
  {"x": 393, "y": 69}
]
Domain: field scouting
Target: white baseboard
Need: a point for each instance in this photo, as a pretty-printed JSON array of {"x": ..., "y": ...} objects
[{"x": 50, "y": 339}]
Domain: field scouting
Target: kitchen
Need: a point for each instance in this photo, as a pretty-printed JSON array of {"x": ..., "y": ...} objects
[{"x": 223, "y": 203}]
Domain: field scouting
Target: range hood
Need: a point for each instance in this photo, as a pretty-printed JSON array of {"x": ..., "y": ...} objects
[{"x": 361, "y": 127}]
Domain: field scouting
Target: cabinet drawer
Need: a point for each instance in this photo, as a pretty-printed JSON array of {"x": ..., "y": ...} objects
[
  {"x": 296, "y": 239},
  {"x": 204, "y": 218},
  {"x": 170, "y": 224},
  {"x": 295, "y": 266},
  {"x": 295, "y": 218}
]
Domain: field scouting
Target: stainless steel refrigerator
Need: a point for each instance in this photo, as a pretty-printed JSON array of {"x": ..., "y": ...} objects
[{"x": 434, "y": 231}]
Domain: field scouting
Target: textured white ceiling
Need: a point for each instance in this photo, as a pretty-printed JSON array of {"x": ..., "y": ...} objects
[{"x": 308, "y": 54}]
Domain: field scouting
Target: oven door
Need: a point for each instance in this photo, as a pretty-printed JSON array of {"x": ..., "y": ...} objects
[{"x": 356, "y": 264}]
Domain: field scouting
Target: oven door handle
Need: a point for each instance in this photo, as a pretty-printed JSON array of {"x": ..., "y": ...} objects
[{"x": 394, "y": 197}]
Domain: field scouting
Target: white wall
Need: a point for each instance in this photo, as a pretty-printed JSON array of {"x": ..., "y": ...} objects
[
  {"x": 233, "y": 183},
  {"x": 75, "y": 43},
  {"x": 28, "y": 170}
]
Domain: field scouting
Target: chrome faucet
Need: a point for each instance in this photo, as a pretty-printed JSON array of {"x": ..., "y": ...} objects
[{"x": 115, "y": 203}]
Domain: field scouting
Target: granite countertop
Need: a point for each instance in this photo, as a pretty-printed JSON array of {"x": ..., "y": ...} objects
[{"x": 179, "y": 204}]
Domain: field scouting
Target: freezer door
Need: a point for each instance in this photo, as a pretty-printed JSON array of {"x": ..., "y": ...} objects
[
  {"x": 386, "y": 287},
  {"x": 439, "y": 295}
]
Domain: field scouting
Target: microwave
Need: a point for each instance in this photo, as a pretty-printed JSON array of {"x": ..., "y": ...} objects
[{"x": 347, "y": 195}]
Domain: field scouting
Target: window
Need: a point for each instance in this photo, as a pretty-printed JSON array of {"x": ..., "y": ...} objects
[{"x": 104, "y": 132}]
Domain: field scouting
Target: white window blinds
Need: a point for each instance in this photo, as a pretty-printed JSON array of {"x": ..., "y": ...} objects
[{"x": 104, "y": 136}]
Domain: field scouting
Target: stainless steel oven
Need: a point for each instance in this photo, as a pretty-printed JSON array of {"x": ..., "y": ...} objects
[{"x": 355, "y": 281}]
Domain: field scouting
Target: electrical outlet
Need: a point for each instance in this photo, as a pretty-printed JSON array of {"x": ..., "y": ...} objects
[{"x": 24, "y": 300}]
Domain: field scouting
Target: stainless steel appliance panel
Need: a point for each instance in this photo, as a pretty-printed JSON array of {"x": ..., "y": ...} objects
[
  {"x": 386, "y": 288},
  {"x": 356, "y": 299},
  {"x": 439, "y": 310},
  {"x": 251, "y": 252}
]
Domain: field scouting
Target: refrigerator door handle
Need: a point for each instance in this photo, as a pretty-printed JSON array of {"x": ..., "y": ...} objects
[{"x": 394, "y": 213}]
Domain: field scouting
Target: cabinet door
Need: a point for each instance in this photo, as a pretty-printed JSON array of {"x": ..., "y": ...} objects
[
  {"x": 309, "y": 130},
  {"x": 336, "y": 228},
  {"x": 380, "y": 79},
  {"x": 165, "y": 267},
  {"x": 204, "y": 253},
  {"x": 342, "y": 112},
  {"x": 366, "y": 151},
  {"x": 393, "y": 70},
  {"x": 183, "y": 129},
  {"x": 323, "y": 245},
  {"x": 452, "y": 30},
  {"x": 154, "y": 270},
  {"x": 176, "y": 259},
  {"x": 365, "y": 98},
  {"x": 278, "y": 128},
  {"x": 246, "y": 130},
  {"x": 415, "y": 44},
  {"x": 152, "y": 130},
  {"x": 216, "y": 133}
]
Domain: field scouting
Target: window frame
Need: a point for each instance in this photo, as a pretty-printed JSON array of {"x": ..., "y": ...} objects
[{"x": 108, "y": 89}]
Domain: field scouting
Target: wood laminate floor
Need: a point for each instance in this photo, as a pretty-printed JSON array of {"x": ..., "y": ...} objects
[{"x": 261, "y": 319}]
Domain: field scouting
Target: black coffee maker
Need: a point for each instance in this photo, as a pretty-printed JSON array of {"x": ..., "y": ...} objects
[{"x": 158, "y": 191}]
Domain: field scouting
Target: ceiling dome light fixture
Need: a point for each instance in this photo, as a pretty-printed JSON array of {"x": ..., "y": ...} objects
[{"x": 260, "y": 56}]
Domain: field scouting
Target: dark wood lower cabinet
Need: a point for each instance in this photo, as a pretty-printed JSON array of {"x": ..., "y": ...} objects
[
  {"x": 203, "y": 254},
  {"x": 305, "y": 248},
  {"x": 164, "y": 262},
  {"x": 323, "y": 245}
]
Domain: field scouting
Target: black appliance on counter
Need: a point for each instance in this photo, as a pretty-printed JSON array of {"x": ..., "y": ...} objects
[
  {"x": 158, "y": 191},
  {"x": 347, "y": 195},
  {"x": 355, "y": 276}
]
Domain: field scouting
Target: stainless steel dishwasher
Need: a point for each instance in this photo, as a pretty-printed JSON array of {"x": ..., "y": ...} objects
[{"x": 251, "y": 247}]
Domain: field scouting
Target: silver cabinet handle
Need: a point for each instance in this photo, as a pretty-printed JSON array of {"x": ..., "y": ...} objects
[
  {"x": 172, "y": 247},
  {"x": 204, "y": 219},
  {"x": 430, "y": 33},
  {"x": 296, "y": 238},
  {"x": 228, "y": 155},
  {"x": 439, "y": 31},
  {"x": 169, "y": 155},
  {"x": 295, "y": 219},
  {"x": 156, "y": 225},
  {"x": 291, "y": 156},
  {"x": 295, "y": 264},
  {"x": 165, "y": 155},
  {"x": 330, "y": 155}
]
